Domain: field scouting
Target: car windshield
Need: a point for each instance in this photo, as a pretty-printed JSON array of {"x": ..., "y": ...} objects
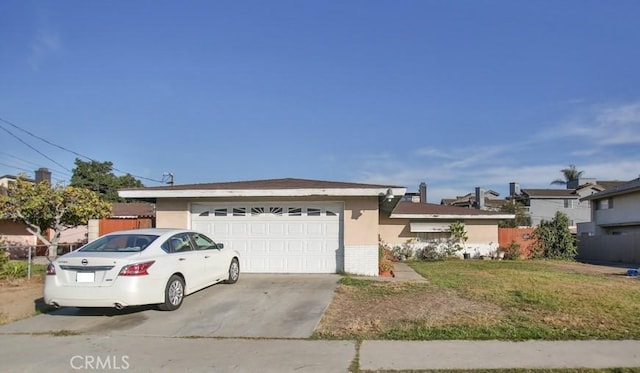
[{"x": 120, "y": 243}]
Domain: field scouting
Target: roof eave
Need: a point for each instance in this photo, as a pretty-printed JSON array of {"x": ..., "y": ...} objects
[
  {"x": 203, "y": 193},
  {"x": 453, "y": 216}
]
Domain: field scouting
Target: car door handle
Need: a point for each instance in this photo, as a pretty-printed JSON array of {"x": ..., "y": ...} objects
[
  {"x": 206, "y": 256},
  {"x": 181, "y": 259}
]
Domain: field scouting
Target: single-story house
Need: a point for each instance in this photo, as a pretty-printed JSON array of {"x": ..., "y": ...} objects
[{"x": 306, "y": 226}]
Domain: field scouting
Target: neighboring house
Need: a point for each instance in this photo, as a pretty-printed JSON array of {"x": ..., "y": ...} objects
[
  {"x": 613, "y": 233},
  {"x": 423, "y": 222},
  {"x": 14, "y": 233},
  {"x": 488, "y": 200},
  {"x": 542, "y": 204},
  {"x": 291, "y": 225}
]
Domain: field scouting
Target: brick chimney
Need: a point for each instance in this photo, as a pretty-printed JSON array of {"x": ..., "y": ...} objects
[
  {"x": 423, "y": 192},
  {"x": 43, "y": 174}
]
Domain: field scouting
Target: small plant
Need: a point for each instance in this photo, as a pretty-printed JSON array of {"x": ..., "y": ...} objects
[
  {"x": 432, "y": 251},
  {"x": 404, "y": 252},
  {"x": 384, "y": 257},
  {"x": 13, "y": 269},
  {"x": 512, "y": 252}
]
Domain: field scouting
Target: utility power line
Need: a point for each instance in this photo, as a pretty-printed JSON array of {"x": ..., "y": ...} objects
[{"x": 62, "y": 148}]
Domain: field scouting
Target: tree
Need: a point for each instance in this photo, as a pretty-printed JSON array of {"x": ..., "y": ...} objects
[
  {"x": 553, "y": 239},
  {"x": 522, "y": 216},
  {"x": 99, "y": 177},
  {"x": 42, "y": 208},
  {"x": 570, "y": 174}
]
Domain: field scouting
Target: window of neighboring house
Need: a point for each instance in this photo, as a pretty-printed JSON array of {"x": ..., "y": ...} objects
[
  {"x": 568, "y": 203},
  {"x": 604, "y": 204}
]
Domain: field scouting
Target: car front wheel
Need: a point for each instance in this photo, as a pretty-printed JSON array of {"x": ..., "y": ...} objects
[
  {"x": 173, "y": 294},
  {"x": 234, "y": 271}
]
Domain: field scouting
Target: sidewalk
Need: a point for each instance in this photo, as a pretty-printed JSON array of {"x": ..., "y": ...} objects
[{"x": 407, "y": 355}]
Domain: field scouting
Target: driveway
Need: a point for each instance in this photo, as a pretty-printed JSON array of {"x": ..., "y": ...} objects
[{"x": 259, "y": 305}]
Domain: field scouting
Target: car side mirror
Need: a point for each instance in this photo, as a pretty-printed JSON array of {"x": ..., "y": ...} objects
[{"x": 220, "y": 246}]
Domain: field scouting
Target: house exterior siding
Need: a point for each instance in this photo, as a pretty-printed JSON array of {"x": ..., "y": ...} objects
[
  {"x": 545, "y": 209},
  {"x": 625, "y": 210}
]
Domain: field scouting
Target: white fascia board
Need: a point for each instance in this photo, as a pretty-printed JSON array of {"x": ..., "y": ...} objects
[
  {"x": 451, "y": 217},
  {"x": 196, "y": 193}
]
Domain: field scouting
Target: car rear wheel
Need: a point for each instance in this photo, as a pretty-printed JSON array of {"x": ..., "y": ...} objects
[
  {"x": 173, "y": 294},
  {"x": 234, "y": 271}
]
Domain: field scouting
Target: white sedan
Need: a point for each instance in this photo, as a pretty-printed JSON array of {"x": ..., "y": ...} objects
[{"x": 139, "y": 267}]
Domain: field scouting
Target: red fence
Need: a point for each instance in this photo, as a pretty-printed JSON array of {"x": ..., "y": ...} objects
[
  {"x": 114, "y": 225},
  {"x": 521, "y": 236}
]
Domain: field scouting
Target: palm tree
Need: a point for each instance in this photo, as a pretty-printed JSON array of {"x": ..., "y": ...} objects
[{"x": 570, "y": 174}]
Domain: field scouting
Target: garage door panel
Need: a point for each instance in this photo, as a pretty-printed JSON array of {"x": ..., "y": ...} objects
[
  {"x": 276, "y": 229},
  {"x": 286, "y": 238},
  {"x": 295, "y": 229},
  {"x": 295, "y": 247},
  {"x": 239, "y": 229},
  {"x": 315, "y": 229}
]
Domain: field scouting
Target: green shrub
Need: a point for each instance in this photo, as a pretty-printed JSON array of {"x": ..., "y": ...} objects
[
  {"x": 14, "y": 269},
  {"x": 512, "y": 252}
]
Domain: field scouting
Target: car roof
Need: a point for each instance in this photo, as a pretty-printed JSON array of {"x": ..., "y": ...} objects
[{"x": 153, "y": 231}]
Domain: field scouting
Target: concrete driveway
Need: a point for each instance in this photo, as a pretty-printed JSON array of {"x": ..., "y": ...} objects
[{"x": 259, "y": 305}]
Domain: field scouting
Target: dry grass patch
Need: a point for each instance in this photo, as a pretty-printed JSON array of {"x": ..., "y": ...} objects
[{"x": 367, "y": 309}]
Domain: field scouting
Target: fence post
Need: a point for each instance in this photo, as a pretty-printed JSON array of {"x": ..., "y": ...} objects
[{"x": 29, "y": 257}]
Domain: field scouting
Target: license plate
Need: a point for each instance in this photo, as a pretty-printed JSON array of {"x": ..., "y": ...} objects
[{"x": 85, "y": 277}]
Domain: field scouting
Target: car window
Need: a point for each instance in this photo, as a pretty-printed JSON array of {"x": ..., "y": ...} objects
[
  {"x": 202, "y": 242},
  {"x": 120, "y": 243},
  {"x": 177, "y": 244}
]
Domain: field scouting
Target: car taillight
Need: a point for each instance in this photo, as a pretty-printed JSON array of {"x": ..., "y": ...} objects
[
  {"x": 51, "y": 270},
  {"x": 137, "y": 269}
]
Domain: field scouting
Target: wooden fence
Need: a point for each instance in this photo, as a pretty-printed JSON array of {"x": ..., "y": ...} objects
[
  {"x": 521, "y": 236},
  {"x": 109, "y": 225}
]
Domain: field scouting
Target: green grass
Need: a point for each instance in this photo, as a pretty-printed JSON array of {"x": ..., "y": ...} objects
[
  {"x": 562, "y": 370},
  {"x": 507, "y": 300}
]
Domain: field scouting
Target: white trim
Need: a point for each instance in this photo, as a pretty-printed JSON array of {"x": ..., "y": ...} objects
[
  {"x": 415, "y": 227},
  {"x": 449, "y": 217},
  {"x": 192, "y": 193}
]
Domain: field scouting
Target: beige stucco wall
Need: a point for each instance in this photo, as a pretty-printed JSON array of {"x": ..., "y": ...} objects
[
  {"x": 360, "y": 220},
  {"x": 394, "y": 231},
  {"x": 397, "y": 231},
  {"x": 172, "y": 213}
]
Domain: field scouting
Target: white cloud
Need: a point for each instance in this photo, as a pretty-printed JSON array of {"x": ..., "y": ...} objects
[
  {"x": 45, "y": 45},
  {"x": 593, "y": 140}
]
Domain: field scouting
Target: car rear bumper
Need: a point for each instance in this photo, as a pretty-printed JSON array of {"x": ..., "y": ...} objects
[{"x": 125, "y": 291}]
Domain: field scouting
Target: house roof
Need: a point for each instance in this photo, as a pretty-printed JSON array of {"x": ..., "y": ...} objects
[
  {"x": 434, "y": 211},
  {"x": 263, "y": 188},
  {"x": 139, "y": 210},
  {"x": 550, "y": 193},
  {"x": 628, "y": 187},
  {"x": 610, "y": 184}
]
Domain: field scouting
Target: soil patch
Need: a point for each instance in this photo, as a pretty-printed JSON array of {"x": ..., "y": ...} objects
[{"x": 20, "y": 298}]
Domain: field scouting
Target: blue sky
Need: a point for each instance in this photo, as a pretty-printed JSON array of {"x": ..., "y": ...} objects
[{"x": 458, "y": 94}]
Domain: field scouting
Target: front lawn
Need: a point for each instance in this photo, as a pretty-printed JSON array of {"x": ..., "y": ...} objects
[{"x": 474, "y": 299}]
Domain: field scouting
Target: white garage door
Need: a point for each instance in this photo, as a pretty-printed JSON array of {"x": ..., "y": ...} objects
[{"x": 276, "y": 237}]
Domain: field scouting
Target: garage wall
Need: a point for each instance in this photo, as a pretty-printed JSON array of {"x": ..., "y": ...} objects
[
  {"x": 172, "y": 213},
  {"x": 361, "y": 236}
]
